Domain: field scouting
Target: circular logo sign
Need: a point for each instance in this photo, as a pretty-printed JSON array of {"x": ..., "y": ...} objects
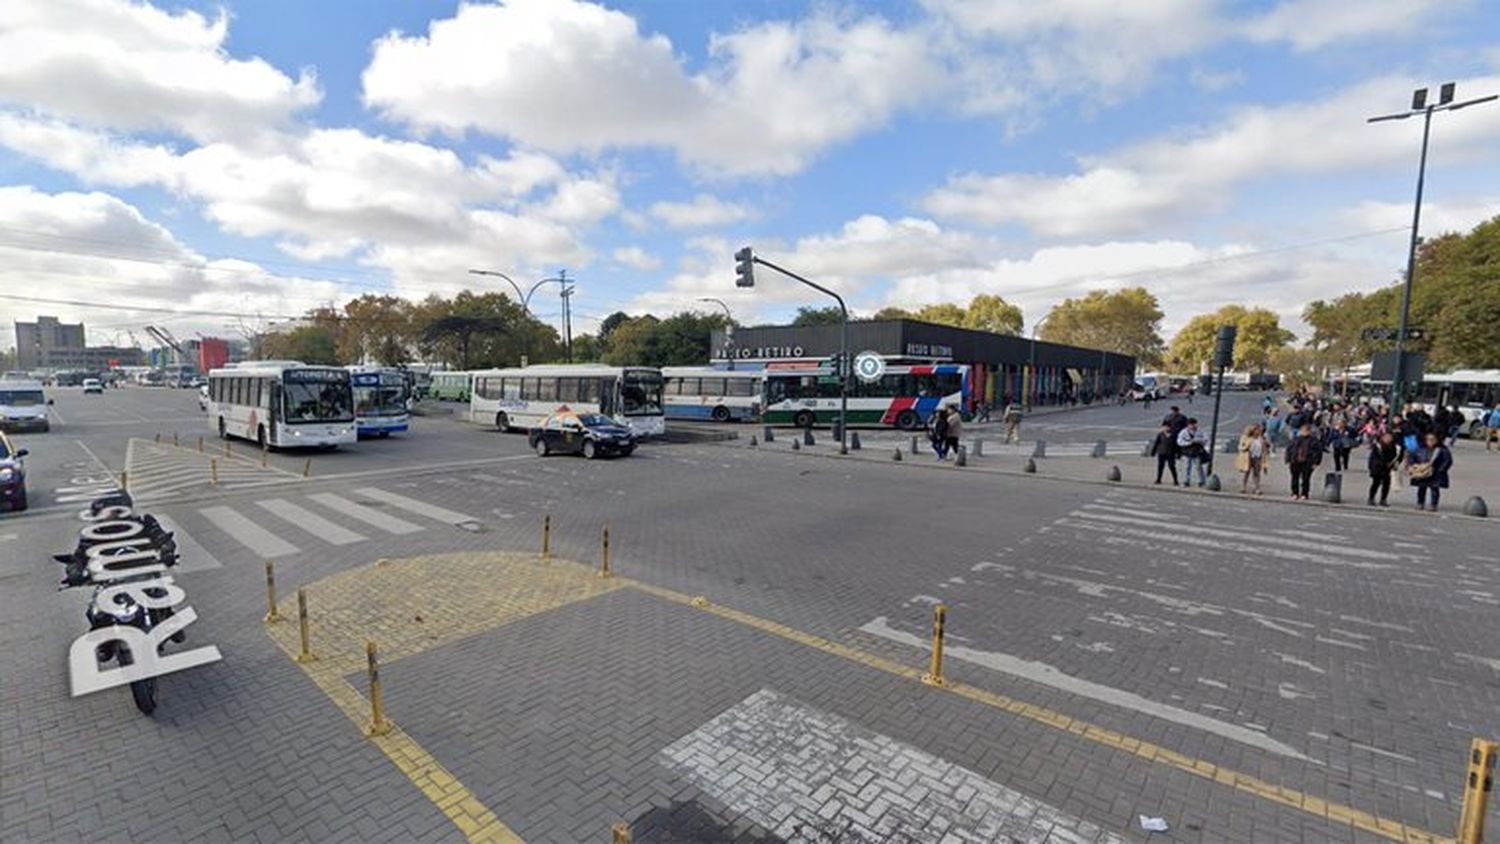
[{"x": 869, "y": 366}]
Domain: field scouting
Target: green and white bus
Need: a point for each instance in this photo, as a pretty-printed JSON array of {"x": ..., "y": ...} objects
[
  {"x": 804, "y": 394},
  {"x": 451, "y": 386}
]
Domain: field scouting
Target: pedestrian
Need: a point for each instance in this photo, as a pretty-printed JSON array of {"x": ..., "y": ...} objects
[
  {"x": 1455, "y": 424},
  {"x": 1274, "y": 425},
  {"x": 1251, "y": 460},
  {"x": 1492, "y": 427},
  {"x": 937, "y": 433},
  {"x": 984, "y": 412},
  {"x": 1385, "y": 456},
  {"x": 1428, "y": 469},
  {"x": 1193, "y": 444},
  {"x": 1012, "y": 419},
  {"x": 1303, "y": 454},
  {"x": 1175, "y": 420},
  {"x": 1192, "y": 391},
  {"x": 955, "y": 430},
  {"x": 1146, "y": 399},
  {"x": 1268, "y": 403},
  {"x": 1340, "y": 441},
  {"x": 1164, "y": 447}
]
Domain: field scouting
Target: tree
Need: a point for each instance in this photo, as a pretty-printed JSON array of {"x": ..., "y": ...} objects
[
  {"x": 893, "y": 312},
  {"x": 807, "y": 315},
  {"x": 632, "y": 342},
  {"x": 378, "y": 328},
  {"x": 988, "y": 312},
  {"x": 586, "y": 348},
  {"x": 307, "y": 343},
  {"x": 679, "y": 340},
  {"x": 945, "y": 313},
  {"x": 1126, "y": 321},
  {"x": 609, "y": 324},
  {"x": 461, "y": 330},
  {"x": 1259, "y": 334},
  {"x": 8, "y": 359}
]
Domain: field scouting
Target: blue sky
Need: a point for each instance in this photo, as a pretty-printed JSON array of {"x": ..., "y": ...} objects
[{"x": 259, "y": 158}]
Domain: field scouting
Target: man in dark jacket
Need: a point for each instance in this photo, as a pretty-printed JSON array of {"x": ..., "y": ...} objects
[
  {"x": 1384, "y": 456},
  {"x": 1303, "y": 456},
  {"x": 1165, "y": 449},
  {"x": 1175, "y": 420}
]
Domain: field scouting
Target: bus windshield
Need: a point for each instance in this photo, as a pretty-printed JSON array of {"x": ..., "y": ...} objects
[
  {"x": 640, "y": 393},
  {"x": 317, "y": 395},
  {"x": 377, "y": 395},
  {"x": 21, "y": 398}
]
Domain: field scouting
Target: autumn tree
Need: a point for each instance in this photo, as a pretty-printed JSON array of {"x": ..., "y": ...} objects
[
  {"x": 986, "y": 312},
  {"x": 1259, "y": 333},
  {"x": 308, "y": 343},
  {"x": 377, "y": 328},
  {"x": 808, "y": 315},
  {"x": 1125, "y": 321}
]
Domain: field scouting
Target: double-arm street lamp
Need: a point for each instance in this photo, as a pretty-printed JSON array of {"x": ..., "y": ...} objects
[
  {"x": 1419, "y": 105},
  {"x": 525, "y": 300},
  {"x": 728, "y": 328},
  {"x": 745, "y": 261},
  {"x": 1030, "y": 381}
]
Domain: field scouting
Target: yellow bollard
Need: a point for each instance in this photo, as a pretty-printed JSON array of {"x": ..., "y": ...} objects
[
  {"x": 213, "y": 469},
  {"x": 124, "y": 479},
  {"x": 620, "y": 833},
  {"x": 174, "y": 439},
  {"x": 226, "y": 448},
  {"x": 157, "y": 439},
  {"x": 378, "y": 725},
  {"x": 272, "y": 614},
  {"x": 264, "y": 450},
  {"x": 604, "y": 555},
  {"x": 306, "y": 655},
  {"x": 934, "y": 675},
  {"x": 200, "y": 445},
  {"x": 547, "y": 537},
  {"x": 307, "y": 468},
  {"x": 1478, "y": 781}
]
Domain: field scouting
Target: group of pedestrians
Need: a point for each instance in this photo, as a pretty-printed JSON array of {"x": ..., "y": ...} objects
[
  {"x": 1181, "y": 438},
  {"x": 945, "y": 430},
  {"x": 1414, "y": 444}
]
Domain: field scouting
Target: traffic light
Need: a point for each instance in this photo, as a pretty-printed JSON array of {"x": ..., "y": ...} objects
[
  {"x": 744, "y": 268},
  {"x": 1224, "y": 347}
]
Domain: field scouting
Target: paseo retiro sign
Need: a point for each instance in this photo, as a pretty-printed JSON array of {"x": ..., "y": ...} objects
[{"x": 137, "y": 607}]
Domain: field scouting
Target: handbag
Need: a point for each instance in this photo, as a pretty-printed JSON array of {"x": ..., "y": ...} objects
[{"x": 1420, "y": 471}]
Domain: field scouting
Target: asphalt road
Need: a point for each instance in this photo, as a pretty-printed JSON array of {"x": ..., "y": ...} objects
[{"x": 1341, "y": 656}]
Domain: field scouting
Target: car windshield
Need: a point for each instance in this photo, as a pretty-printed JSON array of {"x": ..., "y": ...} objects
[
  {"x": 21, "y": 398},
  {"x": 594, "y": 420},
  {"x": 317, "y": 396}
]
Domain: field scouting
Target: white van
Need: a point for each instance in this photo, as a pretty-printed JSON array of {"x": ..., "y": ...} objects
[{"x": 23, "y": 406}]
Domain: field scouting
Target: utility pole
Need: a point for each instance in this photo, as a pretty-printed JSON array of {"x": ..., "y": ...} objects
[
  {"x": 728, "y": 329},
  {"x": 567, "y": 313}
]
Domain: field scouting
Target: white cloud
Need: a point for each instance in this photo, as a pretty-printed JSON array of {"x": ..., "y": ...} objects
[
  {"x": 1458, "y": 214},
  {"x": 130, "y": 66},
  {"x": 704, "y": 211},
  {"x": 636, "y": 258},
  {"x": 1214, "y": 81},
  {"x": 1312, "y": 24},
  {"x": 93, "y": 247},
  {"x": 1134, "y": 188},
  {"x": 565, "y": 75}
]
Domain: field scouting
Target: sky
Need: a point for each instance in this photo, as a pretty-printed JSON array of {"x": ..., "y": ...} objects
[{"x": 216, "y": 167}]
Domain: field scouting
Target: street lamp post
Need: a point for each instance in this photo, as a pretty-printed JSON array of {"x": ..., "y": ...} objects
[
  {"x": 1419, "y": 105},
  {"x": 1028, "y": 382},
  {"x": 746, "y": 260},
  {"x": 525, "y": 299},
  {"x": 728, "y": 328}
]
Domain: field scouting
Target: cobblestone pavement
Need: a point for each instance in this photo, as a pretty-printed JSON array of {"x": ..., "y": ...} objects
[{"x": 1247, "y": 670}]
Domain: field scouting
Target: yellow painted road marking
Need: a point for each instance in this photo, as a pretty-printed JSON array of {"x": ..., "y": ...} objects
[{"x": 1282, "y": 795}]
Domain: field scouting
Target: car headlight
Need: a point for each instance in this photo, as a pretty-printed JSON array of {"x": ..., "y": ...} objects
[{"x": 7, "y": 474}]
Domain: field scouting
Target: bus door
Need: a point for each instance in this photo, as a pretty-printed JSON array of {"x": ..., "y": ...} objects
[
  {"x": 273, "y": 425},
  {"x": 609, "y": 399}
]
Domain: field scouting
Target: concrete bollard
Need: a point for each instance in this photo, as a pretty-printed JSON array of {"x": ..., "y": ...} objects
[
  {"x": 854, "y": 441},
  {"x": 1475, "y": 506},
  {"x": 213, "y": 470},
  {"x": 934, "y": 675},
  {"x": 807, "y": 437},
  {"x": 306, "y": 654},
  {"x": 264, "y": 451},
  {"x": 1213, "y": 484},
  {"x": 768, "y": 435},
  {"x": 913, "y": 444},
  {"x": 978, "y": 446},
  {"x": 1100, "y": 447},
  {"x": 753, "y": 442},
  {"x": 1114, "y": 474},
  {"x": 896, "y": 455},
  {"x": 174, "y": 439},
  {"x": 272, "y": 614},
  {"x": 1029, "y": 467},
  {"x": 1040, "y": 449},
  {"x": 604, "y": 555},
  {"x": 200, "y": 445},
  {"x": 378, "y": 725},
  {"x": 838, "y": 432},
  {"x": 1333, "y": 487},
  {"x": 307, "y": 468},
  {"x": 157, "y": 438},
  {"x": 796, "y": 445},
  {"x": 963, "y": 457}
]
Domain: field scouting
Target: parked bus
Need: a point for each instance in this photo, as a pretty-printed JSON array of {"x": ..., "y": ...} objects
[
  {"x": 282, "y": 403},
  {"x": 451, "y": 386},
  {"x": 522, "y": 398},
  {"x": 381, "y": 400},
  {"x": 806, "y": 394},
  {"x": 1472, "y": 391},
  {"x": 701, "y": 392}
]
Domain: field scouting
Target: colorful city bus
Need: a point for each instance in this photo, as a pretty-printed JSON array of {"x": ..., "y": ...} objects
[
  {"x": 523, "y": 397},
  {"x": 282, "y": 403},
  {"x": 451, "y": 386},
  {"x": 701, "y": 392},
  {"x": 807, "y": 394},
  {"x": 382, "y": 400}
]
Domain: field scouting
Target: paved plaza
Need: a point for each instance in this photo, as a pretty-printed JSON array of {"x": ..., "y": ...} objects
[{"x": 752, "y": 669}]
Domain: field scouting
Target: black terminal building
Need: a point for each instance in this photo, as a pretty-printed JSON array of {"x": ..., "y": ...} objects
[{"x": 1004, "y": 367}]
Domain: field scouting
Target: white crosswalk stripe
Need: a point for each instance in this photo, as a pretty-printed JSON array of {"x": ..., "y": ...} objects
[
  {"x": 248, "y": 533},
  {"x": 158, "y": 470},
  {"x": 372, "y": 517},
  {"x": 311, "y": 522},
  {"x": 190, "y": 554},
  {"x": 411, "y": 505}
]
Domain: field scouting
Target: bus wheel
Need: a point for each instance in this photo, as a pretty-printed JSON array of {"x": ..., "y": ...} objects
[
  {"x": 223, "y": 429},
  {"x": 721, "y": 414},
  {"x": 803, "y": 419},
  {"x": 907, "y": 420},
  {"x": 502, "y": 422}
]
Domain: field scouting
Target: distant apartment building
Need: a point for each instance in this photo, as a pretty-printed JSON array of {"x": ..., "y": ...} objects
[{"x": 51, "y": 344}]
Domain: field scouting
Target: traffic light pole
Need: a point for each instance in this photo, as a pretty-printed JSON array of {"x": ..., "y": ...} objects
[
  {"x": 1398, "y": 380},
  {"x": 843, "y": 368}
]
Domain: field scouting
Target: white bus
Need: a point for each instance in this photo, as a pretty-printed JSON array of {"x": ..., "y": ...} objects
[
  {"x": 1472, "y": 391},
  {"x": 282, "y": 403},
  {"x": 701, "y": 392},
  {"x": 381, "y": 400},
  {"x": 522, "y": 398}
]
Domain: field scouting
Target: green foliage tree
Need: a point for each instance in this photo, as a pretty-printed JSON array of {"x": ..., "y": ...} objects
[
  {"x": 1259, "y": 334},
  {"x": 679, "y": 340},
  {"x": 307, "y": 343},
  {"x": 461, "y": 330},
  {"x": 893, "y": 312},
  {"x": 986, "y": 312},
  {"x": 378, "y": 328},
  {"x": 1126, "y": 321},
  {"x": 808, "y": 315}
]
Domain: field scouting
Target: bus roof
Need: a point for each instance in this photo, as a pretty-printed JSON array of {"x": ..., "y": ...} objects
[
  {"x": 713, "y": 371},
  {"x": 554, "y": 369},
  {"x": 267, "y": 366}
]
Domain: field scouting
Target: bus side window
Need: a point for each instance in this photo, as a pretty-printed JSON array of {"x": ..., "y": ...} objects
[
  {"x": 567, "y": 390},
  {"x": 588, "y": 390}
]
